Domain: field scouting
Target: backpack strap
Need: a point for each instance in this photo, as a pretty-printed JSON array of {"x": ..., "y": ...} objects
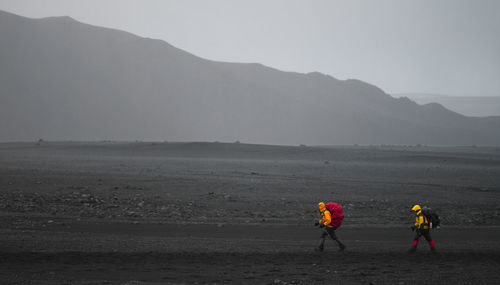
[{"x": 426, "y": 222}]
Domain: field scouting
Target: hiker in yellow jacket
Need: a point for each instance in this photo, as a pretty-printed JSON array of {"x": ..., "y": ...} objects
[
  {"x": 422, "y": 229},
  {"x": 329, "y": 224}
]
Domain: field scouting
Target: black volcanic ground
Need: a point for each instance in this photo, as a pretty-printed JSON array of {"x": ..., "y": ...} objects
[{"x": 99, "y": 213}]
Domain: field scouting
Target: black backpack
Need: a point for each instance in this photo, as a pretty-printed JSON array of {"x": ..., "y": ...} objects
[{"x": 432, "y": 218}]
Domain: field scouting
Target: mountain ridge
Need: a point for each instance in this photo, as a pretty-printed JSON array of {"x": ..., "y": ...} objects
[
  {"x": 472, "y": 106},
  {"x": 66, "y": 80}
]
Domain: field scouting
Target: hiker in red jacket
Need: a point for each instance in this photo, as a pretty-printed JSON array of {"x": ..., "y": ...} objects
[{"x": 331, "y": 219}]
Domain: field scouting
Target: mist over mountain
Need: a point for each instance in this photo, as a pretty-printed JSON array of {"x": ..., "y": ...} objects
[
  {"x": 65, "y": 80},
  {"x": 477, "y": 106}
]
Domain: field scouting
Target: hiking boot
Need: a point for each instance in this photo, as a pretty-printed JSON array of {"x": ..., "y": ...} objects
[
  {"x": 412, "y": 250},
  {"x": 341, "y": 247},
  {"x": 319, "y": 249}
]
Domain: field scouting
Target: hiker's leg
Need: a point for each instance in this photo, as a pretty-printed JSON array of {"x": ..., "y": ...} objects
[
  {"x": 418, "y": 234},
  {"x": 427, "y": 236},
  {"x": 324, "y": 233},
  {"x": 322, "y": 240},
  {"x": 332, "y": 234},
  {"x": 415, "y": 242}
]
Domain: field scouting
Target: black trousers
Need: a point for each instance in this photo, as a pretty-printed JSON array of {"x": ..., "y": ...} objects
[
  {"x": 423, "y": 232},
  {"x": 329, "y": 232}
]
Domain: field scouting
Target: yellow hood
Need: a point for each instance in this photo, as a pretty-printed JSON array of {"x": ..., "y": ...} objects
[
  {"x": 322, "y": 207},
  {"x": 416, "y": 208}
]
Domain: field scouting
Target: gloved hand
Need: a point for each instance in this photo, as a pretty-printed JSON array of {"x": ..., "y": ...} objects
[
  {"x": 413, "y": 228},
  {"x": 316, "y": 223},
  {"x": 321, "y": 226}
]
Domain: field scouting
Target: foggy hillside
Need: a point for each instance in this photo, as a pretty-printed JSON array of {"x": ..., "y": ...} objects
[
  {"x": 64, "y": 80},
  {"x": 477, "y": 106}
]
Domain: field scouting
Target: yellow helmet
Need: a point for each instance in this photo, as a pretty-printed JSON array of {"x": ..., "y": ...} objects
[
  {"x": 416, "y": 208},
  {"x": 322, "y": 207}
]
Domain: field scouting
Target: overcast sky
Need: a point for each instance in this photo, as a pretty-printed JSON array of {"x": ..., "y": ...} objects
[{"x": 432, "y": 46}]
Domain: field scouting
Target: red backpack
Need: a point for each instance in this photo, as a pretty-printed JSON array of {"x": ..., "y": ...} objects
[{"x": 337, "y": 213}]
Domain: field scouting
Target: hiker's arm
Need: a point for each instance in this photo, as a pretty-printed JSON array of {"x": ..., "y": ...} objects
[
  {"x": 327, "y": 218},
  {"x": 420, "y": 221}
]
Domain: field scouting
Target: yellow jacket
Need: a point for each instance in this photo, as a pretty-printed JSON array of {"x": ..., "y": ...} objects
[
  {"x": 421, "y": 221},
  {"x": 326, "y": 216}
]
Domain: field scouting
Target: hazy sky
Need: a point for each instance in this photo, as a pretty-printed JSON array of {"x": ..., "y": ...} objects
[{"x": 432, "y": 46}]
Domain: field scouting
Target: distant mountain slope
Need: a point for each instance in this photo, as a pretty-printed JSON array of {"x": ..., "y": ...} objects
[
  {"x": 64, "y": 80},
  {"x": 477, "y": 106}
]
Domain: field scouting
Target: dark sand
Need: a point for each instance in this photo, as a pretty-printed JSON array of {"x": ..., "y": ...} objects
[{"x": 169, "y": 213}]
